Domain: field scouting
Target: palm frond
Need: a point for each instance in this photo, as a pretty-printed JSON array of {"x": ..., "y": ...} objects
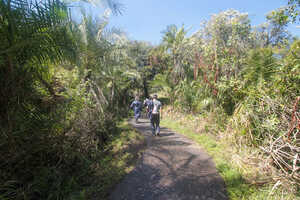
[{"x": 35, "y": 30}]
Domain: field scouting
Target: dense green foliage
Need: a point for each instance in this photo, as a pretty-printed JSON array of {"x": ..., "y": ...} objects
[
  {"x": 248, "y": 75},
  {"x": 65, "y": 84}
]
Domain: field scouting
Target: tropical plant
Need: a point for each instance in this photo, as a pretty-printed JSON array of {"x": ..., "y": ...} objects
[
  {"x": 43, "y": 153},
  {"x": 176, "y": 44}
]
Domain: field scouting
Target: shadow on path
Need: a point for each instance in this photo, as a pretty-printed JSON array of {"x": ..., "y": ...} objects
[{"x": 171, "y": 168}]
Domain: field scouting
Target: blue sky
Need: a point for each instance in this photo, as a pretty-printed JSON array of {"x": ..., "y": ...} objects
[{"x": 145, "y": 19}]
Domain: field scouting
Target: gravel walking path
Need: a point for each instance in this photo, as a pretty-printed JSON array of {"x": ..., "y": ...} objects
[{"x": 172, "y": 168}]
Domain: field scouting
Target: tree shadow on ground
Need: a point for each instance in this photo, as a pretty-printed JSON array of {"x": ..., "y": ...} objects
[
  {"x": 158, "y": 179},
  {"x": 171, "y": 168}
]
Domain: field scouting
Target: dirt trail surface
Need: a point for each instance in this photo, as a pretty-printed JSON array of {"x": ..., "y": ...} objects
[{"x": 172, "y": 168}]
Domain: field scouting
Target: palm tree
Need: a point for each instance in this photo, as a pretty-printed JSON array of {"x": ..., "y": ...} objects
[
  {"x": 32, "y": 35},
  {"x": 36, "y": 36},
  {"x": 176, "y": 43}
]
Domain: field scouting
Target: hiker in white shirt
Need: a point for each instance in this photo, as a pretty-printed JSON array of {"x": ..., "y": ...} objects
[{"x": 155, "y": 110}]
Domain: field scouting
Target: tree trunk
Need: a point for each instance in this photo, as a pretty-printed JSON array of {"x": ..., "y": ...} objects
[{"x": 146, "y": 92}]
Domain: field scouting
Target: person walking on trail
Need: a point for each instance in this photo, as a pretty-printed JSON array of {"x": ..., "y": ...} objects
[
  {"x": 155, "y": 110},
  {"x": 136, "y": 105},
  {"x": 147, "y": 102}
]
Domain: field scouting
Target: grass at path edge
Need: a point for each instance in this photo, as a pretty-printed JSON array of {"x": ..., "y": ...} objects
[{"x": 237, "y": 187}]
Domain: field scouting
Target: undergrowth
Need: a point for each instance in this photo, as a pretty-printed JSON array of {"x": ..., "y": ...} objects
[
  {"x": 117, "y": 160},
  {"x": 59, "y": 167}
]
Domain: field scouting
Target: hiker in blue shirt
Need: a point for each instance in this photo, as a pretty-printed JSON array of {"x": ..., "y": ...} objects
[
  {"x": 136, "y": 105},
  {"x": 155, "y": 110}
]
